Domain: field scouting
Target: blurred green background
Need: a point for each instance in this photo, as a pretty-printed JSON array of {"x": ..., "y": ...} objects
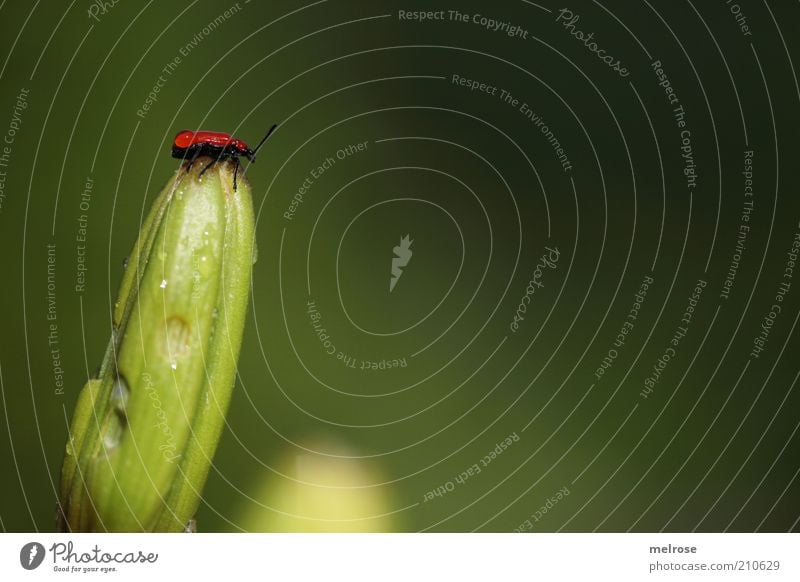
[{"x": 318, "y": 441}]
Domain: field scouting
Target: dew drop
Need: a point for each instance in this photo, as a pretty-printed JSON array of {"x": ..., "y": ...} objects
[
  {"x": 255, "y": 253},
  {"x": 112, "y": 435},
  {"x": 119, "y": 395},
  {"x": 118, "y": 419},
  {"x": 163, "y": 283},
  {"x": 174, "y": 365},
  {"x": 125, "y": 263}
]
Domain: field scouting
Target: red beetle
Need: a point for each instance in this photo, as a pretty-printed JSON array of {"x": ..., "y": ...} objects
[{"x": 190, "y": 145}]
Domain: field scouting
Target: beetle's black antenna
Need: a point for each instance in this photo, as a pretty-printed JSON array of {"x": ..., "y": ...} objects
[{"x": 271, "y": 129}]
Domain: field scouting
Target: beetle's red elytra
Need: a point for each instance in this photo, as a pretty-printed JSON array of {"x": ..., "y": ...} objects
[{"x": 190, "y": 145}]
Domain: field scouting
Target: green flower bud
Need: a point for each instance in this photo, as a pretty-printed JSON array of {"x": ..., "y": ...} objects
[{"x": 144, "y": 432}]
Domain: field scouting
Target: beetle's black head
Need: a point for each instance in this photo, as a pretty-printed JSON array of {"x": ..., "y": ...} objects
[{"x": 249, "y": 154}]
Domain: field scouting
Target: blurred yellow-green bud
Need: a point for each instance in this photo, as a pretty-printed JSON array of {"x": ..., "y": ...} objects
[
  {"x": 144, "y": 432},
  {"x": 312, "y": 492}
]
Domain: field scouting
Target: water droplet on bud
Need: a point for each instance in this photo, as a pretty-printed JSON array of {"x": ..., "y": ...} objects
[
  {"x": 119, "y": 395},
  {"x": 163, "y": 283},
  {"x": 118, "y": 419}
]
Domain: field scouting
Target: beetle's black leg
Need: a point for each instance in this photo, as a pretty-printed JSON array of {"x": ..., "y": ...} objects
[
  {"x": 203, "y": 171},
  {"x": 193, "y": 160},
  {"x": 235, "y": 171}
]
